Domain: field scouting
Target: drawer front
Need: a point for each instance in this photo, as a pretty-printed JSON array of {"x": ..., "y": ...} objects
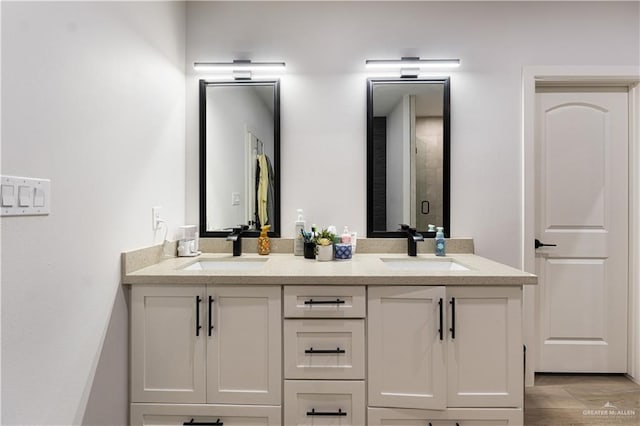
[
  {"x": 183, "y": 414},
  {"x": 323, "y": 403},
  {"x": 449, "y": 417},
  {"x": 324, "y": 349},
  {"x": 324, "y": 301}
]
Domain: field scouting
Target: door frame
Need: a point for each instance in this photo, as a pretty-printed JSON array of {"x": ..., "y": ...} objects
[{"x": 589, "y": 76}]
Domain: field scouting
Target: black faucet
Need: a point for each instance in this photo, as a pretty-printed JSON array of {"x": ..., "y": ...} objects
[
  {"x": 236, "y": 237},
  {"x": 412, "y": 238}
]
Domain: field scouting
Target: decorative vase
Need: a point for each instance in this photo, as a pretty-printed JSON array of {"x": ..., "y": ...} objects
[
  {"x": 325, "y": 253},
  {"x": 342, "y": 251}
]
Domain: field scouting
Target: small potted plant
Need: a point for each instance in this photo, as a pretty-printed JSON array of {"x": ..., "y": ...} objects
[{"x": 324, "y": 245}]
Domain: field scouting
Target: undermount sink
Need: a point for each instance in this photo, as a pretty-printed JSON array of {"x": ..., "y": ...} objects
[
  {"x": 227, "y": 264},
  {"x": 417, "y": 264}
]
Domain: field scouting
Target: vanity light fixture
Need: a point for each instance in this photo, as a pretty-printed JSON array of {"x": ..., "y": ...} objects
[
  {"x": 410, "y": 66},
  {"x": 240, "y": 69}
]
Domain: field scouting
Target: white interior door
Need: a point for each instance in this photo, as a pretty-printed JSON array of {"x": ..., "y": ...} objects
[{"x": 582, "y": 208}]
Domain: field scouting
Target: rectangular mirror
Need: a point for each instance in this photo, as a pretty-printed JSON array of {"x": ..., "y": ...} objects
[
  {"x": 408, "y": 152},
  {"x": 239, "y": 156}
]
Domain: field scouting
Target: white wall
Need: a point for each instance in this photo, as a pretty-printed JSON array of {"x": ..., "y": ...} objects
[
  {"x": 323, "y": 92},
  {"x": 93, "y": 98},
  {"x": 395, "y": 165}
]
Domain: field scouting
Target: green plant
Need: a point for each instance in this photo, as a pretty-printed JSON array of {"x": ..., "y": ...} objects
[{"x": 324, "y": 238}]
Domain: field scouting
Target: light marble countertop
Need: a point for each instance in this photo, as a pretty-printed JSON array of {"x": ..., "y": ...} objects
[{"x": 362, "y": 269}]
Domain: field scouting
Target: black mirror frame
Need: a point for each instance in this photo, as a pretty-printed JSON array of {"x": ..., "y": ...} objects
[
  {"x": 446, "y": 140},
  {"x": 275, "y": 228}
]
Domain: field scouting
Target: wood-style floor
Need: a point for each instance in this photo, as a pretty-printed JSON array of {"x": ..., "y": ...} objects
[{"x": 568, "y": 400}]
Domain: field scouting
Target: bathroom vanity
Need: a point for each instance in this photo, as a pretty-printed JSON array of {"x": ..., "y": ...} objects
[{"x": 381, "y": 339}]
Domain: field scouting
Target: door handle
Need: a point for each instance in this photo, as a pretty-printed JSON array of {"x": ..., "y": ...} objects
[
  {"x": 441, "y": 329},
  {"x": 539, "y": 244},
  {"x": 452, "y": 329},
  {"x": 198, "y": 326},
  {"x": 211, "y": 300}
]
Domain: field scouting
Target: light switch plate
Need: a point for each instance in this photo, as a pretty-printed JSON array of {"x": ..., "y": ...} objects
[
  {"x": 23, "y": 196},
  {"x": 8, "y": 195}
]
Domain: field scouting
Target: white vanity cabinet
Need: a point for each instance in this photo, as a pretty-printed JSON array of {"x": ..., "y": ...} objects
[
  {"x": 205, "y": 345},
  {"x": 442, "y": 348}
]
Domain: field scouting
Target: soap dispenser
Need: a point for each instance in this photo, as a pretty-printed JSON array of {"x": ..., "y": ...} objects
[
  {"x": 298, "y": 242},
  {"x": 264, "y": 244},
  {"x": 440, "y": 242}
]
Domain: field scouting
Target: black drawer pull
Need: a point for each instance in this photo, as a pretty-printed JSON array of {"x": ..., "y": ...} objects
[
  {"x": 211, "y": 300},
  {"x": 452, "y": 329},
  {"x": 340, "y": 413},
  {"x": 192, "y": 423},
  {"x": 198, "y": 326},
  {"x": 324, "y": 302},
  {"x": 324, "y": 351},
  {"x": 441, "y": 329}
]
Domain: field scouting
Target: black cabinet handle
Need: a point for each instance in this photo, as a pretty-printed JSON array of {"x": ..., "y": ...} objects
[
  {"x": 211, "y": 300},
  {"x": 441, "y": 329},
  {"x": 340, "y": 413},
  {"x": 422, "y": 207},
  {"x": 192, "y": 423},
  {"x": 324, "y": 302},
  {"x": 453, "y": 318},
  {"x": 539, "y": 244},
  {"x": 324, "y": 351},
  {"x": 198, "y": 326}
]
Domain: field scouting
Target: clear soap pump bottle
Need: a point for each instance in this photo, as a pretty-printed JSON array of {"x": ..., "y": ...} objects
[
  {"x": 440, "y": 243},
  {"x": 298, "y": 242}
]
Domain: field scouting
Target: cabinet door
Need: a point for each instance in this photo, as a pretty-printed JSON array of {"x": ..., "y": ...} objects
[
  {"x": 221, "y": 415},
  {"x": 406, "y": 349},
  {"x": 167, "y": 347},
  {"x": 485, "y": 354},
  {"x": 244, "y": 335}
]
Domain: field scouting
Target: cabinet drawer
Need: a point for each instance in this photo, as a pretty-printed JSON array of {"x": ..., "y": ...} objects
[
  {"x": 183, "y": 414},
  {"x": 321, "y": 403},
  {"x": 450, "y": 417},
  {"x": 324, "y": 302},
  {"x": 324, "y": 349}
]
